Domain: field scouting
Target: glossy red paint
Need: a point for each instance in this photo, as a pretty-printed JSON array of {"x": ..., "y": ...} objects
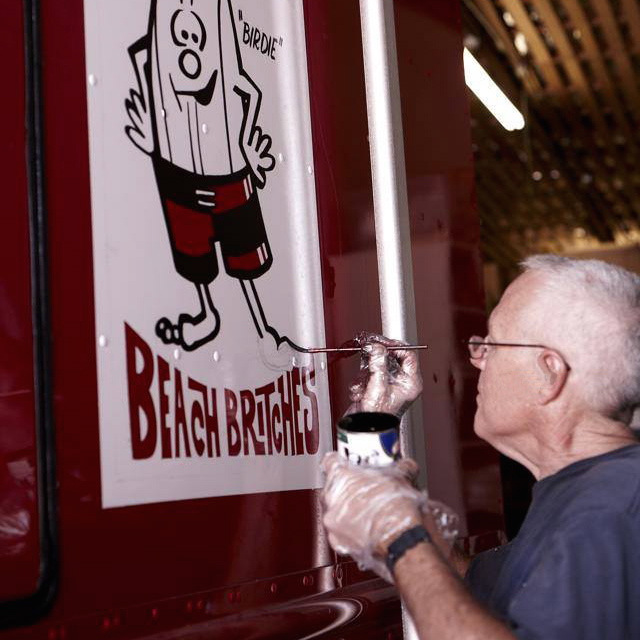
[
  {"x": 250, "y": 566},
  {"x": 19, "y": 520}
]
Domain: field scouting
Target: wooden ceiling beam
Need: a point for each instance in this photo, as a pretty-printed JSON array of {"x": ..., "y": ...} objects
[
  {"x": 537, "y": 47},
  {"x": 615, "y": 42},
  {"x": 631, "y": 11},
  {"x": 503, "y": 39}
]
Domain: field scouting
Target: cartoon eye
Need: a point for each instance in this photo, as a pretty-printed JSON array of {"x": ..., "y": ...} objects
[
  {"x": 184, "y": 34},
  {"x": 195, "y": 38}
]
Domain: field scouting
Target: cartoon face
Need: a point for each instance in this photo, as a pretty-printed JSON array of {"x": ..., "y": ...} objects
[{"x": 186, "y": 35}]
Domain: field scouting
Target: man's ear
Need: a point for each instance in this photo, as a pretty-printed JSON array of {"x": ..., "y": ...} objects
[{"x": 554, "y": 372}]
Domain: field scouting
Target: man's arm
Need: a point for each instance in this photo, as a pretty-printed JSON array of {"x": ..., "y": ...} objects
[{"x": 439, "y": 603}]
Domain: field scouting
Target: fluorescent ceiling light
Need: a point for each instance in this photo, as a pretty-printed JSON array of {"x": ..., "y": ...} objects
[{"x": 490, "y": 94}]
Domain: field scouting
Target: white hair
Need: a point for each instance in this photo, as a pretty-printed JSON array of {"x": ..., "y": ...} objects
[{"x": 593, "y": 318}]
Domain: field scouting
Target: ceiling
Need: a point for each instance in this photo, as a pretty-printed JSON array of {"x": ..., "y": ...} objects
[{"x": 570, "y": 181}]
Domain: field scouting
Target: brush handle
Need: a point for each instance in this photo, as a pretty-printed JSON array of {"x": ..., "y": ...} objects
[{"x": 354, "y": 349}]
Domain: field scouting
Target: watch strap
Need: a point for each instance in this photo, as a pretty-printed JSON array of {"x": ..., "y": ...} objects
[{"x": 405, "y": 541}]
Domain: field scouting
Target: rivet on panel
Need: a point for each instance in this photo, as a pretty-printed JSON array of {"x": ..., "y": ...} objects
[
  {"x": 280, "y": 158},
  {"x": 106, "y": 624},
  {"x": 155, "y": 614},
  {"x": 309, "y": 169},
  {"x": 293, "y": 361},
  {"x": 176, "y": 354},
  {"x": 230, "y": 596},
  {"x": 103, "y": 341},
  {"x": 205, "y": 128},
  {"x": 273, "y": 588},
  {"x": 200, "y": 605},
  {"x": 238, "y": 596},
  {"x": 323, "y": 365},
  {"x": 93, "y": 81},
  {"x": 307, "y": 581},
  {"x": 163, "y": 113},
  {"x": 189, "y": 606},
  {"x": 216, "y": 356}
]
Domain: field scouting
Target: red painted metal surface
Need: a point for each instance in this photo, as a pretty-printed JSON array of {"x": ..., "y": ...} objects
[
  {"x": 248, "y": 566},
  {"x": 462, "y": 470},
  {"x": 19, "y": 525}
]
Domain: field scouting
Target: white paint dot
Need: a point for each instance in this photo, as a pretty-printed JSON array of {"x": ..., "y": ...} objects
[
  {"x": 205, "y": 128},
  {"x": 93, "y": 81},
  {"x": 216, "y": 356},
  {"x": 102, "y": 340},
  {"x": 176, "y": 354}
]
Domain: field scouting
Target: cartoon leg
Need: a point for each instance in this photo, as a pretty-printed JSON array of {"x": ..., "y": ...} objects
[
  {"x": 278, "y": 352},
  {"x": 191, "y": 332}
]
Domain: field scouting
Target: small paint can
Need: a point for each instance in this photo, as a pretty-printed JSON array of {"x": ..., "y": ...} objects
[{"x": 369, "y": 438}]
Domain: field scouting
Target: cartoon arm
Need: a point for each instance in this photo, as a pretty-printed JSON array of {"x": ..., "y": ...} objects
[
  {"x": 140, "y": 129},
  {"x": 254, "y": 143}
]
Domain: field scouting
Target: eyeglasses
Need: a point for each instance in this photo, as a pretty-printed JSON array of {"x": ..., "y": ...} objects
[{"x": 479, "y": 347}]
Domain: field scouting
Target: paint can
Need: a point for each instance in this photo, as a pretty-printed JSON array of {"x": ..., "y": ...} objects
[{"x": 369, "y": 438}]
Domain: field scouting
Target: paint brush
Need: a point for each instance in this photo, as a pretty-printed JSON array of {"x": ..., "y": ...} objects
[{"x": 354, "y": 349}]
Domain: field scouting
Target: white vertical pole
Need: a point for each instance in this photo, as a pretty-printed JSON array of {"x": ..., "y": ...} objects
[{"x": 391, "y": 209}]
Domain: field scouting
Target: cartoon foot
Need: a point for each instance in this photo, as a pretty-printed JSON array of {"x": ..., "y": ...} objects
[
  {"x": 190, "y": 332},
  {"x": 168, "y": 332},
  {"x": 197, "y": 331}
]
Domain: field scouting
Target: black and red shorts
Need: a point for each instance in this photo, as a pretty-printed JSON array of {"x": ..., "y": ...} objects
[{"x": 202, "y": 210}]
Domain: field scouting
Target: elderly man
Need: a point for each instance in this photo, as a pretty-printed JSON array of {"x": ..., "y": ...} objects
[{"x": 559, "y": 378}]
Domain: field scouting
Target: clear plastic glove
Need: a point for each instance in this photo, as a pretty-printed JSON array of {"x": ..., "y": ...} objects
[
  {"x": 389, "y": 381},
  {"x": 367, "y": 508}
]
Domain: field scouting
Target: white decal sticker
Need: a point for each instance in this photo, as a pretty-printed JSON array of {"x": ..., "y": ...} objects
[{"x": 206, "y": 254}]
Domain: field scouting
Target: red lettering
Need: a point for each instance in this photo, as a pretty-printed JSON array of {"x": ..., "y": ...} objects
[
  {"x": 212, "y": 425},
  {"x": 234, "y": 442},
  {"x": 140, "y": 400},
  {"x": 197, "y": 415},
  {"x": 265, "y": 392},
  {"x": 208, "y": 420},
  {"x": 295, "y": 383},
  {"x": 312, "y": 429},
  {"x": 287, "y": 413},
  {"x": 248, "y": 411},
  {"x": 180, "y": 417},
  {"x": 164, "y": 375}
]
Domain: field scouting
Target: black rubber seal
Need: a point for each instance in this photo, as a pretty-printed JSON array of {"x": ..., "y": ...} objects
[{"x": 28, "y": 610}]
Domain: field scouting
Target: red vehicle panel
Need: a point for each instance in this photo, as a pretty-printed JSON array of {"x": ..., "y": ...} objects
[{"x": 247, "y": 566}]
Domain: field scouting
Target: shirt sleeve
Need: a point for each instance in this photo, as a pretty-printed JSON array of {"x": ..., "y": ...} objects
[{"x": 584, "y": 586}]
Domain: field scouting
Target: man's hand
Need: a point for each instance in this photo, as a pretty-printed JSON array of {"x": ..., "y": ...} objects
[
  {"x": 391, "y": 381},
  {"x": 367, "y": 508}
]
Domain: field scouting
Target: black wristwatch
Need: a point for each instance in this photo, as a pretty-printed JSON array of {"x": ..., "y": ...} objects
[{"x": 405, "y": 541}]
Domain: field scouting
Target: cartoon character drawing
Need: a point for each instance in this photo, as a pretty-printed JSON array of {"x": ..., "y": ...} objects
[{"x": 195, "y": 112}]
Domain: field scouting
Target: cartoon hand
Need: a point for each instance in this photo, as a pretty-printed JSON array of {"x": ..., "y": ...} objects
[
  {"x": 258, "y": 156},
  {"x": 140, "y": 130}
]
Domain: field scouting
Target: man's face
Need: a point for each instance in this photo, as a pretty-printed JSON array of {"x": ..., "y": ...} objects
[{"x": 507, "y": 383}]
